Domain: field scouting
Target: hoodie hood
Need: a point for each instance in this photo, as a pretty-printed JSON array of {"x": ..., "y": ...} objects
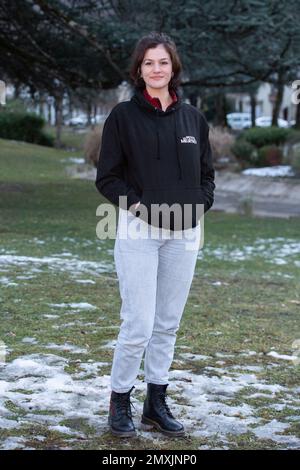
[{"x": 157, "y": 113}]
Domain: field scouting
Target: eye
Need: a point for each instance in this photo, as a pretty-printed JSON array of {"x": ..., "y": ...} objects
[{"x": 149, "y": 63}]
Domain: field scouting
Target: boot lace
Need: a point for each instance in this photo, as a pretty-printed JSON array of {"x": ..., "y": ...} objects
[
  {"x": 125, "y": 404},
  {"x": 163, "y": 405}
]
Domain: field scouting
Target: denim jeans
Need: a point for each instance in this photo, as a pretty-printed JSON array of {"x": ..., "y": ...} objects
[{"x": 155, "y": 272}]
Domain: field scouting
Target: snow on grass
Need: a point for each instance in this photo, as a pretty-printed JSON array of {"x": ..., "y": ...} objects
[
  {"x": 278, "y": 250},
  {"x": 37, "y": 241},
  {"x": 67, "y": 347},
  {"x": 273, "y": 250},
  {"x": 7, "y": 282},
  {"x": 57, "y": 263},
  {"x": 249, "y": 353},
  {"x": 52, "y": 389},
  {"x": 194, "y": 357},
  {"x": 14, "y": 442},
  {"x": 278, "y": 170},
  {"x": 29, "y": 340},
  {"x": 73, "y": 323},
  {"x": 66, "y": 430},
  {"x": 56, "y": 395},
  {"x": 272, "y": 431},
  {"x": 75, "y": 306},
  {"x": 78, "y": 160},
  {"x": 282, "y": 356},
  {"x": 109, "y": 344}
]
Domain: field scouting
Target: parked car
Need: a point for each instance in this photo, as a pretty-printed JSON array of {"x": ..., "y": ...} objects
[
  {"x": 239, "y": 120},
  {"x": 266, "y": 121},
  {"x": 99, "y": 118},
  {"x": 80, "y": 120}
]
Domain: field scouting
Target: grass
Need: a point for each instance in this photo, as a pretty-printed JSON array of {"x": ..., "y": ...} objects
[
  {"x": 235, "y": 305},
  {"x": 71, "y": 138}
]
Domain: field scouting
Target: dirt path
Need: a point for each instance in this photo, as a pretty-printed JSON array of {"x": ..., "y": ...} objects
[{"x": 263, "y": 196}]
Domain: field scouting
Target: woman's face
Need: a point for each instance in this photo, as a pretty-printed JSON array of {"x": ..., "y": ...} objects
[{"x": 156, "y": 68}]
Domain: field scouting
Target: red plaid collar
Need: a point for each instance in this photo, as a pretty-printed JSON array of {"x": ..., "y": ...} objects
[{"x": 156, "y": 101}]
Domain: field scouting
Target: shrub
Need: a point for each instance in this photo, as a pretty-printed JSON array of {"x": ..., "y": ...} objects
[
  {"x": 92, "y": 145},
  {"x": 295, "y": 160},
  {"x": 24, "y": 126},
  {"x": 245, "y": 152},
  {"x": 293, "y": 136},
  {"x": 269, "y": 155},
  {"x": 221, "y": 142},
  {"x": 261, "y": 136}
]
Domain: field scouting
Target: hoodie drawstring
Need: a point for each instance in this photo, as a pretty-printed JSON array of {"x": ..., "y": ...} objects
[
  {"x": 176, "y": 140},
  {"x": 157, "y": 135},
  {"x": 177, "y": 144}
]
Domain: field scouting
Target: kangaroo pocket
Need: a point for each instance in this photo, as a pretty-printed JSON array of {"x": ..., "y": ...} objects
[{"x": 172, "y": 208}]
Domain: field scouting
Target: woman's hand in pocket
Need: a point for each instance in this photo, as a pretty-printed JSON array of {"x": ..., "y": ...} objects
[{"x": 134, "y": 207}]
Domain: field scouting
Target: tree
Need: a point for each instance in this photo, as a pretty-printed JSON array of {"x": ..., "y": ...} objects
[{"x": 59, "y": 46}]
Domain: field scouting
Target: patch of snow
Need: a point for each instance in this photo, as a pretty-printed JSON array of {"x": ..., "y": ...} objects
[
  {"x": 29, "y": 340},
  {"x": 204, "y": 413},
  {"x": 279, "y": 170},
  {"x": 282, "y": 356},
  {"x": 13, "y": 442},
  {"x": 7, "y": 282},
  {"x": 272, "y": 429},
  {"x": 73, "y": 266},
  {"x": 73, "y": 160},
  {"x": 109, "y": 344},
  {"x": 66, "y": 347},
  {"x": 85, "y": 281},
  {"x": 194, "y": 357},
  {"x": 66, "y": 430},
  {"x": 74, "y": 305}
]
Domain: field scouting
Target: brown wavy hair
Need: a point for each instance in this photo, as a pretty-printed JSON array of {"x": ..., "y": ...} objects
[{"x": 151, "y": 41}]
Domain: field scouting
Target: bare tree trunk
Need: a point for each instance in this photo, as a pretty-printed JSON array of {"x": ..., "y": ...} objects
[
  {"x": 220, "y": 104},
  {"x": 278, "y": 101},
  {"x": 89, "y": 113},
  {"x": 49, "y": 113},
  {"x": 70, "y": 106},
  {"x": 253, "y": 108},
  {"x": 58, "y": 119},
  {"x": 41, "y": 104},
  {"x": 94, "y": 108},
  {"x": 297, "y": 124},
  {"x": 17, "y": 90}
]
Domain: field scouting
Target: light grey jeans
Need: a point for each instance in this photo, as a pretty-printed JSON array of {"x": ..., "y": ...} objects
[{"x": 155, "y": 269}]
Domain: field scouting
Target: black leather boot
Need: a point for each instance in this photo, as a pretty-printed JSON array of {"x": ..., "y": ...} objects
[
  {"x": 157, "y": 413},
  {"x": 120, "y": 416}
]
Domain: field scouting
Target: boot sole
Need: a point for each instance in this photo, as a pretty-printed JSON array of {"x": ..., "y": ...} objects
[
  {"x": 150, "y": 424},
  {"x": 121, "y": 433}
]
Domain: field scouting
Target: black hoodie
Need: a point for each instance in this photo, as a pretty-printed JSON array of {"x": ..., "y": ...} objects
[{"x": 156, "y": 157}]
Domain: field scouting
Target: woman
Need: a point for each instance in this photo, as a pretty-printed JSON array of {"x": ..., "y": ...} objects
[{"x": 155, "y": 151}]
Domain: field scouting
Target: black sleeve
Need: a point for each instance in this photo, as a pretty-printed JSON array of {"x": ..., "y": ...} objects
[
  {"x": 110, "y": 166},
  {"x": 207, "y": 169}
]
